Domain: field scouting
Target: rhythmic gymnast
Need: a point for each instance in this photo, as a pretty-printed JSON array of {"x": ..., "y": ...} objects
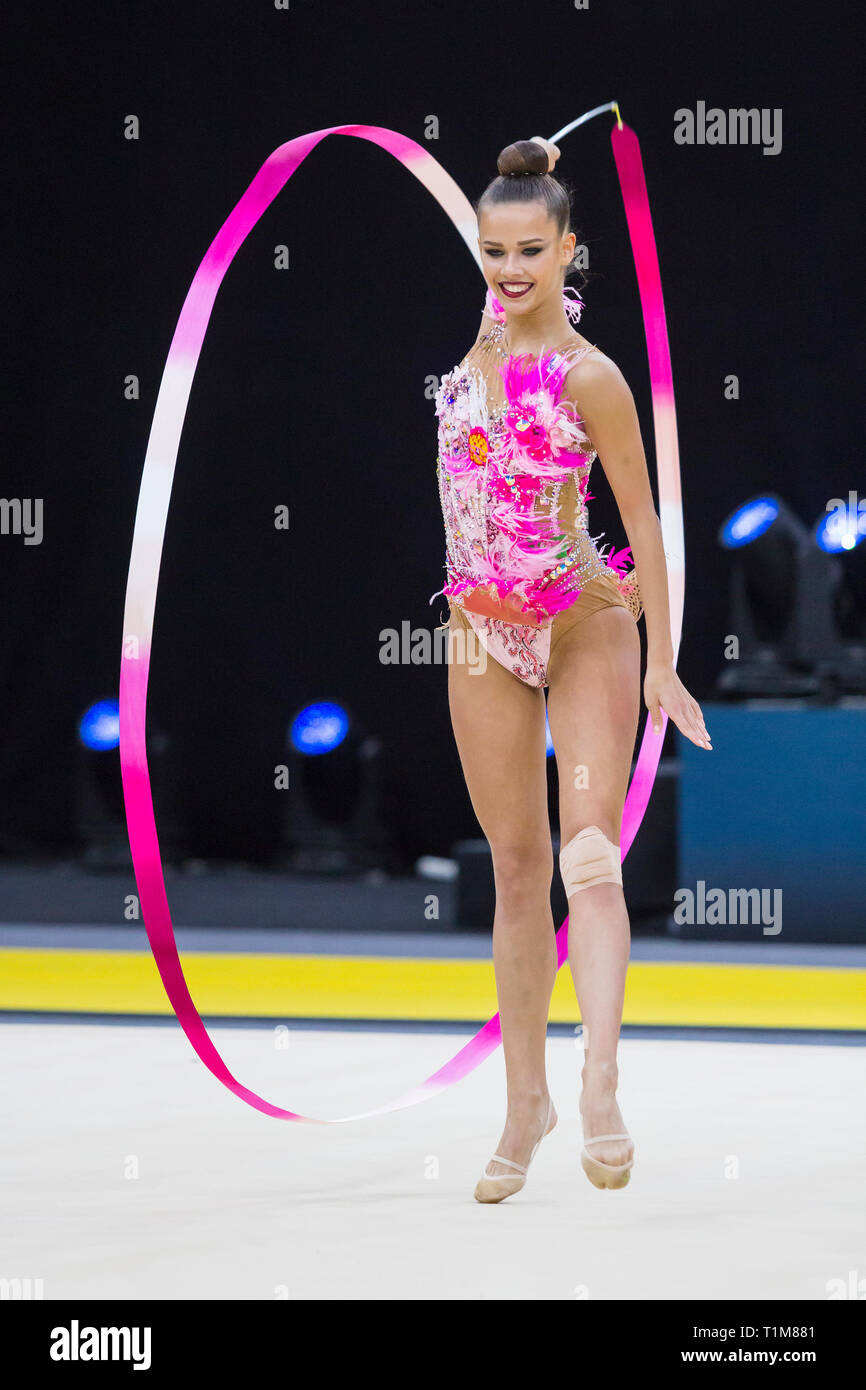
[{"x": 521, "y": 420}]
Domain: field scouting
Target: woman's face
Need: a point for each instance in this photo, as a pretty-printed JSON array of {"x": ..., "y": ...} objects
[{"x": 522, "y": 254}]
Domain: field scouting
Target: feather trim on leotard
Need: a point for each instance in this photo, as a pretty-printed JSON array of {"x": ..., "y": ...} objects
[{"x": 503, "y": 536}]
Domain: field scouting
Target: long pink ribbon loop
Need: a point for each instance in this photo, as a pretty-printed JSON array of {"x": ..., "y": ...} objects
[{"x": 152, "y": 513}]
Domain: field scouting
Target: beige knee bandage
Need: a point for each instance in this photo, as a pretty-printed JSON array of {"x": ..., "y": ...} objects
[{"x": 589, "y": 858}]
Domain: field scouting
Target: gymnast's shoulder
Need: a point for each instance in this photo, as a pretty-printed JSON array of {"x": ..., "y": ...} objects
[{"x": 596, "y": 385}]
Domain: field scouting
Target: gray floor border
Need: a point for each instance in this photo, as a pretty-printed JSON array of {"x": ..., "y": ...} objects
[{"x": 667, "y": 1032}]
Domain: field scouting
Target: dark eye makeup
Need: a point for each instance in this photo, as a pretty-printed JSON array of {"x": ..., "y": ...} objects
[{"x": 528, "y": 251}]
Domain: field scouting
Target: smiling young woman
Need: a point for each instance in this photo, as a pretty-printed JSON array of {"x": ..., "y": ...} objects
[{"x": 522, "y": 418}]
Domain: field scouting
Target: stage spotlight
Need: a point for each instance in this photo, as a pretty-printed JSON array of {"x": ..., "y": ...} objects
[
  {"x": 749, "y": 522},
  {"x": 100, "y": 818},
  {"x": 332, "y": 821},
  {"x": 99, "y": 726},
  {"x": 841, "y": 532},
  {"x": 842, "y": 526},
  {"x": 781, "y": 634},
  {"x": 319, "y": 728}
]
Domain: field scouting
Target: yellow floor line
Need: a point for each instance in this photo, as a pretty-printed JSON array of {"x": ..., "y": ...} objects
[{"x": 365, "y": 987}]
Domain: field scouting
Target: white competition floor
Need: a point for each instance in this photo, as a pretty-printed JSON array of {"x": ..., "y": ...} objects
[{"x": 128, "y": 1171}]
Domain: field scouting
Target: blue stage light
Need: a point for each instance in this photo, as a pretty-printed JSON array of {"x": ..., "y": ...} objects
[
  {"x": 839, "y": 531},
  {"x": 99, "y": 726},
  {"x": 749, "y": 521},
  {"x": 782, "y": 595},
  {"x": 319, "y": 728}
]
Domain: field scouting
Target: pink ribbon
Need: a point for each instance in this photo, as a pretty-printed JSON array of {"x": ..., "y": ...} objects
[{"x": 152, "y": 513}]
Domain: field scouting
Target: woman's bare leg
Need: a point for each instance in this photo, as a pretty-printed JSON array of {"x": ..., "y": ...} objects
[
  {"x": 593, "y": 708},
  {"x": 499, "y": 728}
]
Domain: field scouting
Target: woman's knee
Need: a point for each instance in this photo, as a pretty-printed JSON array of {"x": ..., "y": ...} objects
[
  {"x": 605, "y": 817},
  {"x": 589, "y": 857},
  {"x": 522, "y": 867}
]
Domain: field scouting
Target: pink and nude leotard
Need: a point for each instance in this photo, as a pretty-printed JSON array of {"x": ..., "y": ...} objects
[{"x": 513, "y": 472}]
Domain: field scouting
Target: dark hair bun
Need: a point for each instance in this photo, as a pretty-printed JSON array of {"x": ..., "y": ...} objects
[{"x": 523, "y": 157}]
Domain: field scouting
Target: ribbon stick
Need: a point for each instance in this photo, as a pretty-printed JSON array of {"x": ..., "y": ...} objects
[{"x": 150, "y": 524}]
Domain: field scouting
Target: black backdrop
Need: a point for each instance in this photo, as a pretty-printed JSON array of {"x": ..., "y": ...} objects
[{"x": 311, "y": 385}]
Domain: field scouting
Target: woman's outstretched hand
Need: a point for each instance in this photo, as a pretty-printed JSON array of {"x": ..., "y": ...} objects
[
  {"x": 663, "y": 690},
  {"x": 553, "y": 151}
]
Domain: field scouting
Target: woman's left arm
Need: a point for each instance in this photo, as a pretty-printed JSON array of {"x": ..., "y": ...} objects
[{"x": 610, "y": 418}]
